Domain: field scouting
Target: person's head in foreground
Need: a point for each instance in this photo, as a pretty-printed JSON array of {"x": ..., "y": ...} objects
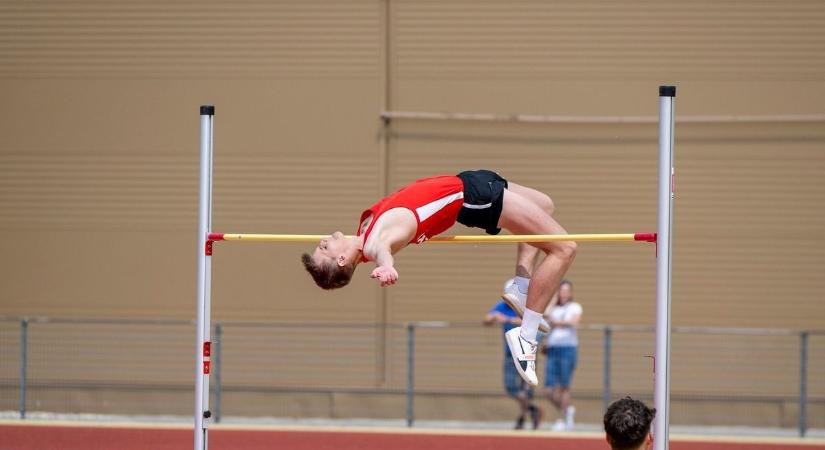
[
  {"x": 333, "y": 261},
  {"x": 627, "y": 425}
]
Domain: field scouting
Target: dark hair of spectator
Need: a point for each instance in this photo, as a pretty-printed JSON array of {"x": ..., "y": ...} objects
[{"x": 627, "y": 423}]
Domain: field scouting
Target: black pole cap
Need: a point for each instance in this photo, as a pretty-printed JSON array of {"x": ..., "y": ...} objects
[
  {"x": 664, "y": 91},
  {"x": 207, "y": 110}
]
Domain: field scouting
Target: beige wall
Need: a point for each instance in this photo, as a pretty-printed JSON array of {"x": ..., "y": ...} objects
[{"x": 99, "y": 152}]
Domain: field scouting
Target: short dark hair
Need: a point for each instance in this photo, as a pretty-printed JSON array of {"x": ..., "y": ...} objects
[
  {"x": 627, "y": 423},
  {"x": 328, "y": 276}
]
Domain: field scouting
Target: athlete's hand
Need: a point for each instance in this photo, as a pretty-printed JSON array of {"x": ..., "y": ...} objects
[{"x": 386, "y": 275}]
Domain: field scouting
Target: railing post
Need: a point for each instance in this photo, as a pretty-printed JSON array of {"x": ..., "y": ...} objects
[
  {"x": 217, "y": 343},
  {"x": 803, "y": 383},
  {"x": 410, "y": 372},
  {"x": 24, "y": 362},
  {"x": 608, "y": 341}
]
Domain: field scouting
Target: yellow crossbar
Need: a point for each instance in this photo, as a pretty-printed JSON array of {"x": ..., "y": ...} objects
[{"x": 468, "y": 239}]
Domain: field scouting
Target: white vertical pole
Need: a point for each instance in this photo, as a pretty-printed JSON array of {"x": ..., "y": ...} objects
[
  {"x": 203, "y": 325},
  {"x": 661, "y": 397}
]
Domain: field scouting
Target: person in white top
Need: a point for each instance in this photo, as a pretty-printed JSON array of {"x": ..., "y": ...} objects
[{"x": 562, "y": 350}]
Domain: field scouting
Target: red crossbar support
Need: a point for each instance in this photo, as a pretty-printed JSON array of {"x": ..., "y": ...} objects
[
  {"x": 646, "y": 237},
  {"x": 210, "y": 238}
]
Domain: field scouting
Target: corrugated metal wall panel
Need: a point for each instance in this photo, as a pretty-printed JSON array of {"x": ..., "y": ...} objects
[
  {"x": 293, "y": 193},
  {"x": 98, "y": 113},
  {"x": 746, "y": 225},
  {"x": 748, "y": 250},
  {"x": 596, "y": 187},
  {"x": 189, "y": 39},
  {"x": 100, "y": 151},
  {"x": 607, "y": 58},
  {"x": 71, "y": 191},
  {"x": 647, "y": 40}
]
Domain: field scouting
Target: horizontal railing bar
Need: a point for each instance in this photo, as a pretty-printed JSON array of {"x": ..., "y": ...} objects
[
  {"x": 594, "y": 393},
  {"x": 418, "y": 324},
  {"x": 97, "y": 321},
  {"x": 596, "y": 120}
]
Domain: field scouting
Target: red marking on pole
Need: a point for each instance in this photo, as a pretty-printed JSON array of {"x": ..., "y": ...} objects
[
  {"x": 207, "y": 347},
  {"x": 208, "y": 249},
  {"x": 206, "y": 367},
  {"x": 215, "y": 236},
  {"x": 646, "y": 237}
]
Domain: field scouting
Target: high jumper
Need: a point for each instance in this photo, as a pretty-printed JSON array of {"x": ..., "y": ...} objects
[{"x": 429, "y": 206}]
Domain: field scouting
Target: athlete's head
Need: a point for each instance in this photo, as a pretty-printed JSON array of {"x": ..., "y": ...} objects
[
  {"x": 333, "y": 261},
  {"x": 627, "y": 425}
]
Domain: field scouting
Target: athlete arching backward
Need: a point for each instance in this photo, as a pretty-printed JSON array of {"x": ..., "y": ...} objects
[{"x": 430, "y": 206}]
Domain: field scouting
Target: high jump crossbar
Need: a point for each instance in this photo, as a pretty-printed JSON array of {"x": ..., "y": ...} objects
[
  {"x": 663, "y": 238},
  {"x": 469, "y": 239}
]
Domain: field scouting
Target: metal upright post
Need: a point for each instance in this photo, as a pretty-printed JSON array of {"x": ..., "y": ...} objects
[
  {"x": 410, "y": 373},
  {"x": 217, "y": 346},
  {"x": 663, "y": 269},
  {"x": 204, "y": 252},
  {"x": 803, "y": 383},
  {"x": 608, "y": 338},
  {"x": 24, "y": 363}
]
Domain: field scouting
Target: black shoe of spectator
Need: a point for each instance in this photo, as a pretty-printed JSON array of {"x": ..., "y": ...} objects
[
  {"x": 536, "y": 414},
  {"x": 520, "y": 422}
]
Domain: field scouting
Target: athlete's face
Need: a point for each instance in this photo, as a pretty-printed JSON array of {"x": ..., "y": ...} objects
[{"x": 330, "y": 249}]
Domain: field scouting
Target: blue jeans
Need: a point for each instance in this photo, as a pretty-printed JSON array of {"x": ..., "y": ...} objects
[
  {"x": 513, "y": 383},
  {"x": 560, "y": 365}
]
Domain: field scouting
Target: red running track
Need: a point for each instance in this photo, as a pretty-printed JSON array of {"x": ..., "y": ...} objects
[{"x": 63, "y": 437}]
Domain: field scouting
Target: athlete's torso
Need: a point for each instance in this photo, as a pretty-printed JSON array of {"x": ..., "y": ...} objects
[{"x": 435, "y": 203}]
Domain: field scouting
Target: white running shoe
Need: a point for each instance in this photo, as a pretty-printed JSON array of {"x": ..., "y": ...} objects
[
  {"x": 559, "y": 426},
  {"x": 570, "y": 416},
  {"x": 524, "y": 355},
  {"x": 518, "y": 302}
]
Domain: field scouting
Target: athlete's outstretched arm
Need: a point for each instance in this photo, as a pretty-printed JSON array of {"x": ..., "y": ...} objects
[
  {"x": 385, "y": 271},
  {"x": 392, "y": 231}
]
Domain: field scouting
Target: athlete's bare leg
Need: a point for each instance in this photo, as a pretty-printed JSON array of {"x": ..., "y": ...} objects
[
  {"x": 525, "y": 211},
  {"x": 526, "y": 254}
]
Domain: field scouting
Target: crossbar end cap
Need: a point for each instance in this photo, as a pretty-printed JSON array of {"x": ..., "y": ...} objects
[{"x": 207, "y": 110}]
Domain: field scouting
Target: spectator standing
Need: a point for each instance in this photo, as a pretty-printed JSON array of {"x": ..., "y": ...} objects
[{"x": 562, "y": 350}]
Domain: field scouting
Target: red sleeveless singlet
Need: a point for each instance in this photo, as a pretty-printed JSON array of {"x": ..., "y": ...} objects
[{"x": 434, "y": 201}]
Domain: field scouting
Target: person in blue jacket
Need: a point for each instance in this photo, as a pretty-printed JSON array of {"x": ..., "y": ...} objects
[{"x": 514, "y": 385}]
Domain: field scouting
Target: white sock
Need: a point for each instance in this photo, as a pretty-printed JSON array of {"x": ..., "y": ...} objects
[
  {"x": 530, "y": 325},
  {"x": 522, "y": 283}
]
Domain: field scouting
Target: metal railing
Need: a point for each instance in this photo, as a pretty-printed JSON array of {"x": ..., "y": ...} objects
[
  {"x": 62, "y": 363},
  {"x": 595, "y": 120}
]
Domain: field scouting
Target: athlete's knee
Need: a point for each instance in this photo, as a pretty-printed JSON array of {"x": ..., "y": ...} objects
[{"x": 567, "y": 249}]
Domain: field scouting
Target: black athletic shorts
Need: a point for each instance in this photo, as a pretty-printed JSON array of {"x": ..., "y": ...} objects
[{"x": 483, "y": 199}]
